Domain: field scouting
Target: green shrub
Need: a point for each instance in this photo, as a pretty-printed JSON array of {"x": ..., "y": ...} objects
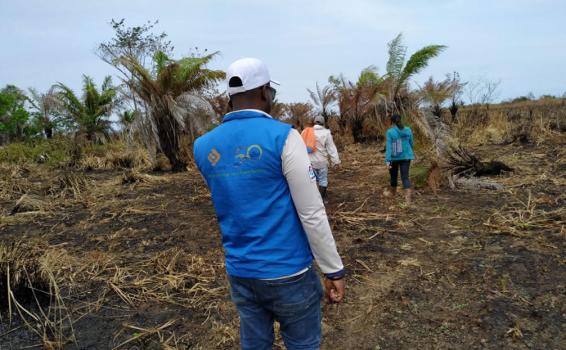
[
  {"x": 49, "y": 151},
  {"x": 91, "y": 156},
  {"x": 418, "y": 175}
]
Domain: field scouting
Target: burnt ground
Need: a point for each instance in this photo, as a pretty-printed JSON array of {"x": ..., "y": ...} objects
[{"x": 139, "y": 264}]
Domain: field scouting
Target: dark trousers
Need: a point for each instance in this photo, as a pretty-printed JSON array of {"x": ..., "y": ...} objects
[
  {"x": 293, "y": 301},
  {"x": 404, "y": 166}
]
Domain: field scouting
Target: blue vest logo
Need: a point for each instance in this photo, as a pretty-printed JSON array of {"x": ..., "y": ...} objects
[
  {"x": 214, "y": 157},
  {"x": 253, "y": 152}
]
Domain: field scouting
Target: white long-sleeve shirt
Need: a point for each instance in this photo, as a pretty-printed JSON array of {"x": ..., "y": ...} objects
[
  {"x": 308, "y": 203},
  {"x": 325, "y": 148}
]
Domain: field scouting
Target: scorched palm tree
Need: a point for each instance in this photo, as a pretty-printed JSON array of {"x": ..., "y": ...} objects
[
  {"x": 46, "y": 106},
  {"x": 323, "y": 98},
  {"x": 399, "y": 72},
  {"x": 171, "y": 91}
]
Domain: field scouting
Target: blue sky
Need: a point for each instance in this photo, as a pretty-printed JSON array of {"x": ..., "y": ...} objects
[{"x": 520, "y": 42}]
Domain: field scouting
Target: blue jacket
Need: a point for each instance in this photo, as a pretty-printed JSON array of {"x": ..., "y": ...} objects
[
  {"x": 406, "y": 136},
  {"x": 241, "y": 162}
]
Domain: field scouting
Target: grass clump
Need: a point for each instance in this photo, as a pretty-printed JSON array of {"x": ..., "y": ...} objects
[
  {"x": 114, "y": 155},
  {"x": 89, "y": 156},
  {"x": 50, "y": 151},
  {"x": 419, "y": 175}
]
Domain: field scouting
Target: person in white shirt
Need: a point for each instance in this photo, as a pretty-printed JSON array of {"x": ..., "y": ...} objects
[{"x": 325, "y": 148}]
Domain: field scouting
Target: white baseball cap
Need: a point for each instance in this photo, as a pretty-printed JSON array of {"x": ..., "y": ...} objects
[{"x": 252, "y": 72}]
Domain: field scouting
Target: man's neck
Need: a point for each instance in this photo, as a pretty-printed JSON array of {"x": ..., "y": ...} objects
[
  {"x": 250, "y": 109},
  {"x": 242, "y": 106}
]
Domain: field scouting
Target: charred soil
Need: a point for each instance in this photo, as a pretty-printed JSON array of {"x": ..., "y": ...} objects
[{"x": 138, "y": 262}]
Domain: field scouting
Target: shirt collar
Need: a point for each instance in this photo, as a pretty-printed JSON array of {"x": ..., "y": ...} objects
[
  {"x": 246, "y": 113},
  {"x": 316, "y": 126}
]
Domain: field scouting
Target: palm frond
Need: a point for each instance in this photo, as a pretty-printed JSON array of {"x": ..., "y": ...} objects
[
  {"x": 91, "y": 95},
  {"x": 369, "y": 77},
  {"x": 128, "y": 117},
  {"x": 419, "y": 60},
  {"x": 107, "y": 83},
  {"x": 315, "y": 96},
  {"x": 323, "y": 98},
  {"x": 160, "y": 61},
  {"x": 397, "y": 52},
  {"x": 71, "y": 104},
  {"x": 35, "y": 98}
]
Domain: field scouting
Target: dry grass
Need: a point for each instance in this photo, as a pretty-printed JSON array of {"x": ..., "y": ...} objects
[
  {"x": 169, "y": 277},
  {"x": 538, "y": 123},
  {"x": 29, "y": 204},
  {"x": 132, "y": 176},
  {"x": 30, "y": 288},
  {"x": 70, "y": 185},
  {"x": 130, "y": 157},
  {"x": 525, "y": 218},
  {"x": 358, "y": 218},
  {"x": 13, "y": 181}
]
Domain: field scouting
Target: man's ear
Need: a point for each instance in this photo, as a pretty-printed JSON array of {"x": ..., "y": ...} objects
[
  {"x": 230, "y": 107},
  {"x": 264, "y": 93}
]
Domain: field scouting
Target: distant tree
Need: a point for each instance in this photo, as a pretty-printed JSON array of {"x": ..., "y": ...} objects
[
  {"x": 88, "y": 115},
  {"x": 139, "y": 42},
  {"x": 127, "y": 122},
  {"x": 13, "y": 114},
  {"x": 482, "y": 91},
  {"x": 456, "y": 95},
  {"x": 435, "y": 93},
  {"x": 170, "y": 91},
  {"x": 547, "y": 97},
  {"x": 323, "y": 99},
  {"x": 219, "y": 102},
  {"x": 278, "y": 110},
  {"x": 520, "y": 99},
  {"x": 46, "y": 107},
  {"x": 400, "y": 71},
  {"x": 358, "y": 101},
  {"x": 299, "y": 114}
]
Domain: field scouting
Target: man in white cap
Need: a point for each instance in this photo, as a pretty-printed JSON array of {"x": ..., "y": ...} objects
[
  {"x": 325, "y": 148},
  {"x": 271, "y": 216}
]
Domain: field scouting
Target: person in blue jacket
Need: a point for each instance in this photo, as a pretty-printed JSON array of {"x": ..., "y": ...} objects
[
  {"x": 398, "y": 154},
  {"x": 271, "y": 216}
]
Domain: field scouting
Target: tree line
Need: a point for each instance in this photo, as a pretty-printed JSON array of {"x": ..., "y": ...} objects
[{"x": 165, "y": 103}]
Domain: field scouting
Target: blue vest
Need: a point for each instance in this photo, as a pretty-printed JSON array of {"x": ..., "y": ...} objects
[{"x": 241, "y": 163}]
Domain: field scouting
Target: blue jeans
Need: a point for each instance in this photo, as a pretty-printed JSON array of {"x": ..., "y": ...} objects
[
  {"x": 321, "y": 176},
  {"x": 404, "y": 166},
  {"x": 294, "y": 302}
]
